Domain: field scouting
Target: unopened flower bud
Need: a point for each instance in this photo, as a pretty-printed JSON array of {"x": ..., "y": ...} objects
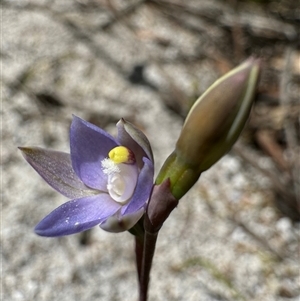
[{"x": 212, "y": 126}]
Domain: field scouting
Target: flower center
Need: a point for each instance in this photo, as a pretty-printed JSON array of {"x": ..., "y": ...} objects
[
  {"x": 121, "y": 172},
  {"x": 121, "y": 154}
]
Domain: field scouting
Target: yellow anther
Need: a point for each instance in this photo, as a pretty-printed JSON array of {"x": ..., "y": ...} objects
[{"x": 121, "y": 154}]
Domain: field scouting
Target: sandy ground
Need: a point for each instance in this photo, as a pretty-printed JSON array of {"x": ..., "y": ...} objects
[{"x": 225, "y": 241}]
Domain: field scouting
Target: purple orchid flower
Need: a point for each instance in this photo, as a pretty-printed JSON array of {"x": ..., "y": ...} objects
[{"x": 109, "y": 180}]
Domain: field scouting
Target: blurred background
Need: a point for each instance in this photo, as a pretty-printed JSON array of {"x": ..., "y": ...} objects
[{"x": 235, "y": 235}]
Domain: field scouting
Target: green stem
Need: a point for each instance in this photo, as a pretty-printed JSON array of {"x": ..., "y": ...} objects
[
  {"x": 138, "y": 231},
  {"x": 160, "y": 205},
  {"x": 139, "y": 250},
  {"x": 149, "y": 249}
]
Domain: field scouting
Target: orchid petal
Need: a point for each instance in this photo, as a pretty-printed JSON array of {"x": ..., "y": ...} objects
[
  {"x": 117, "y": 223},
  {"x": 77, "y": 215},
  {"x": 56, "y": 169},
  {"x": 143, "y": 189},
  {"x": 135, "y": 140},
  {"x": 89, "y": 146}
]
